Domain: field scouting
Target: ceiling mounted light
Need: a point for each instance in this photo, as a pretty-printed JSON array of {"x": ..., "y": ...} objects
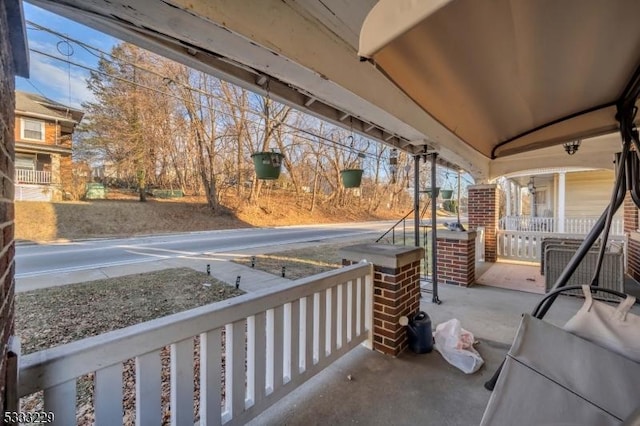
[
  {"x": 571, "y": 147},
  {"x": 531, "y": 186}
]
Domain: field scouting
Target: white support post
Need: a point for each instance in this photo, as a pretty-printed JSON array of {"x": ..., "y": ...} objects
[
  {"x": 508, "y": 198},
  {"x": 518, "y": 200},
  {"x": 561, "y": 200}
]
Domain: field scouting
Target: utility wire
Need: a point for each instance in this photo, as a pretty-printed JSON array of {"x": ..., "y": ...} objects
[
  {"x": 319, "y": 138},
  {"x": 90, "y": 50}
]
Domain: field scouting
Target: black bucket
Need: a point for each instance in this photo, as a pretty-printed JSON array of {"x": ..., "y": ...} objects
[{"x": 420, "y": 333}]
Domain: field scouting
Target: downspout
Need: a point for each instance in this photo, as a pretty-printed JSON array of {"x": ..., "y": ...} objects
[
  {"x": 434, "y": 226},
  {"x": 416, "y": 200}
]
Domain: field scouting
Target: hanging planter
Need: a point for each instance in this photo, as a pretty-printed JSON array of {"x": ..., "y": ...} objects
[
  {"x": 446, "y": 194},
  {"x": 351, "y": 178},
  {"x": 428, "y": 191},
  {"x": 267, "y": 164}
]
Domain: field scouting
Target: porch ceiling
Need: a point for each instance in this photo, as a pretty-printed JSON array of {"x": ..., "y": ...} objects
[
  {"x": 308, "y": 51},
  {"x": 594, "y": 153},
  {"x": 306, "y": 47}
]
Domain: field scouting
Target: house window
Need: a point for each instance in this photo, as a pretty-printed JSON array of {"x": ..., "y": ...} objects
[
  {"x": 25, "y": 162},
  {"x": 32, "y": 129}
]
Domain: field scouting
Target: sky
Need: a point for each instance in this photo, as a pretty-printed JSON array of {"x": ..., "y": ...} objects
[{"x": 53, "y": 78}]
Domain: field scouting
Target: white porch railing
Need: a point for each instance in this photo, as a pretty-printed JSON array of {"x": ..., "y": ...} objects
[
  {"x": 250, "y": 350},
  {"x": 519, "y": 245},
  {"x": 572, "y": 225},
  {"x": 32, "y": 176},
  {"x": 525, "y": 246}
]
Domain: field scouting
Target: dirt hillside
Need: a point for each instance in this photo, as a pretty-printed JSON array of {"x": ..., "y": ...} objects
[{"x": 123, "y": 215}]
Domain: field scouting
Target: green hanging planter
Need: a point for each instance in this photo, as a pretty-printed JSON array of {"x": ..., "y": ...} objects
[
  {"x": 428, "y": 192},
  {"x": 446, "y": 194},
  {"x": 267, "y": 164},
  {"x": 351, "y": 178}
]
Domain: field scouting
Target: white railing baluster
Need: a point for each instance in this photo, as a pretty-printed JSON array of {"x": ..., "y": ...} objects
[
  {"x": 228, "y": 373},
  {"x": 108, "y": 395},
  {"x": 359, "y": 310},
  {"x": 260, "y": 357},
  {"x": 148, "y": 385},
  {"x": 269, "y": 336},
  {"x": 286, "y": 343},
  {"x": 61, "y": 400},
  {"x": 309, "y": 335},
  {"x": 238, "y": 375},
  {"x": 182, "y": 382},
  {"x": 353, "y": 309},
  {"x": 322, "y": 325},
  {"x": 368, "y": 302},
  {"x": 333, "y": 311},
  {"x": 343, "y": 305},
  {"x": 278, "y": 346},
  {"x": 210, "y": 382},
  {"x": 363, "y": 305},
  {"x": 294, "y": 369}
]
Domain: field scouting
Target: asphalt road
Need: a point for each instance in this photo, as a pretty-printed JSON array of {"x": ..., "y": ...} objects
[{"x": 34, "y": 260}]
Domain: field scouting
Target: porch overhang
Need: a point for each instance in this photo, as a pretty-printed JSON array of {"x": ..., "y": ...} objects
[
  {"x": 42, "y": 148},
  {"x": 307, "y": 49},
  {"x": 18, "y": 37},
  {"x": 510, "y": 76}
]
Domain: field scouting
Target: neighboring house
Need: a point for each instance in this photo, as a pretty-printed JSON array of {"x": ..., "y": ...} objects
[
  {"x": 565, "y": 200},
  {"x": 43, "y": 130}
]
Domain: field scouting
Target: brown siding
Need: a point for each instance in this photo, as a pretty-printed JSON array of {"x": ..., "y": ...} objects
[{"x": 7, "y": 106}]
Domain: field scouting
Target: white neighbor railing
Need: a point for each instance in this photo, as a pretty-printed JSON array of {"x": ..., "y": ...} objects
[
  {"x": 523, "y": 245},
  {"x": 572, "y": 225},
  {"x": 274, "y": 340},
  {"x": 519, "y": 245},
  {"x": 32, "y": 176}
]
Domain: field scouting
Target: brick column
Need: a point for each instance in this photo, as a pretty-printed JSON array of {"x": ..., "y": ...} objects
[
  {"x": 396, "y": 290},
  {"x": 633, "y": 237},
  {"x": 483, "y": 211},
  {"x": 13, "y": 61},
  {"x": 456, "y": 257}
]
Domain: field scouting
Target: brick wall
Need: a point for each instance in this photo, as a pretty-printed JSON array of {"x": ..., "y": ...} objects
[
  {"x": 7, "y": 103},
  {"x": 457, "y": 258},
  {"x": 396, "y": 293},
  {"x": 483, "y": 211}
]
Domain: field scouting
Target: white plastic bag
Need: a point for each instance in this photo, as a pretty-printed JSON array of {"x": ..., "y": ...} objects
[{"x": 456, "y": 346}]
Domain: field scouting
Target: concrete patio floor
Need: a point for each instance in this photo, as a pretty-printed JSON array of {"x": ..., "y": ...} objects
[{"x": 417, "y": 389}]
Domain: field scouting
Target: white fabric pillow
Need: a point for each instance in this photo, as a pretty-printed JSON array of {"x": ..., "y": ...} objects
[{"x": 611, "y": 327}]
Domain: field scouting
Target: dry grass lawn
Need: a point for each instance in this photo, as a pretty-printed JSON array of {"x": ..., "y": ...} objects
[
  {"x": 54, "y": 316},
  {"x": 300, "y": 263}
]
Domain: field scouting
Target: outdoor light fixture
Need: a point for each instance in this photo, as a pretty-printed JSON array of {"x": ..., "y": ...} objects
[
  {"x": 393, "y": 164},
  {"x": 531, "y": 186},
  {"x": 572, "y": 147}
]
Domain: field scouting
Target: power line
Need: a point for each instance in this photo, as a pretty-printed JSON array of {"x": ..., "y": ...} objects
[
  {"x": 36, "y": 89},
  {"x": 90, "y": 49},
  {"x": 319, "y": 138}
]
